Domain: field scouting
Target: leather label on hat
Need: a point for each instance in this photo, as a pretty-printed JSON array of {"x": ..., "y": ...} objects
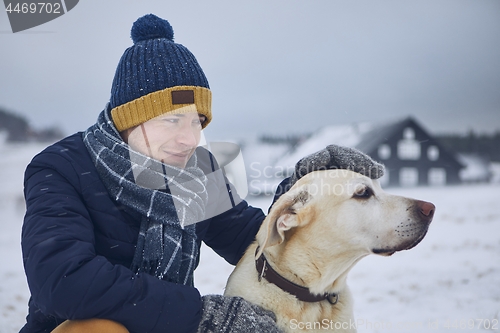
[{"x": 183, "y": 97}]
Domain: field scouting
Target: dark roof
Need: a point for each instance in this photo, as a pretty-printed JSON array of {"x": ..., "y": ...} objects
[
  {"x": 380, "y": 134},
  {"x": 366, "y": 137}
]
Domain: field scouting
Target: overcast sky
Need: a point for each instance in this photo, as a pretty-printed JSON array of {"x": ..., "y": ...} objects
[{"x": 274, "y": 66}]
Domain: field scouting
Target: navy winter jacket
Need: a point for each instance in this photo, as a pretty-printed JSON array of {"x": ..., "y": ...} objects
[{"x": 78, "y": 245}]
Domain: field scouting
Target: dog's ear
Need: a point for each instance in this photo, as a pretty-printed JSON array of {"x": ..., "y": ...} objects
[{"x": 282, "y": 217}]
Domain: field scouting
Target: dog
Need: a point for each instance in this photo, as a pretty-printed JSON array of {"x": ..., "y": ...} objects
[{"x": 312, "y": 237}]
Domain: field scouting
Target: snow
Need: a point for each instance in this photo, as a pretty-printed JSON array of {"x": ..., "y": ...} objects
[
  {"x": 452, "y": 277},
  {"x": 476, "y": 169},
  {"x": 495, "y": 172},
  {"x": 13, "y": 288},
  {"x": 343, "y": 135},
  {"x": 262, "y": 173}
]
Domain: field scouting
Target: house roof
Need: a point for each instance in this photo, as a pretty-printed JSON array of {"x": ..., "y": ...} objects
[{"x": 363, "y": 136}]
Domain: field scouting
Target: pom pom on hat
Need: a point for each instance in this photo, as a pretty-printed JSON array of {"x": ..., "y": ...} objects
[{"x": 149, "y": 27}]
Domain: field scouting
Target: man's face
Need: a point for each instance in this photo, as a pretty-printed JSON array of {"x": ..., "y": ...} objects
[{"x": 171, "y": 138}]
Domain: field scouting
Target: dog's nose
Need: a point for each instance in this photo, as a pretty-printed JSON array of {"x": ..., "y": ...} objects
[{"x": 426, "y": 208}]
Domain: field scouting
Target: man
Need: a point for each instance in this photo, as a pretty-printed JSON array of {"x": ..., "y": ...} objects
[{"x": 116, "y": 214}]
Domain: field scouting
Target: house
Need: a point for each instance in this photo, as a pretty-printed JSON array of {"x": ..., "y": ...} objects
[{"x": 411, "y": 155}]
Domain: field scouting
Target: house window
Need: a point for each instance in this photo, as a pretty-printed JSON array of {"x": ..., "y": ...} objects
[
  {"x": 408, "y": 176},
  {"x": 409, "y": 133},
  {"x": 408, "y": 147},
  {"x": 384, "y": 151},
  {"x": 433, "y": 153},
  {"x": 437, "y": 176}
]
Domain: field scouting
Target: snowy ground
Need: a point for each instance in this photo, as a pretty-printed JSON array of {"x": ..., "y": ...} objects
[{"x": 450, "y": 279}]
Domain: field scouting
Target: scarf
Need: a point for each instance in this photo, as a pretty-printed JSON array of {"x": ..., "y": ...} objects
[{"x": 169, "y": 199}]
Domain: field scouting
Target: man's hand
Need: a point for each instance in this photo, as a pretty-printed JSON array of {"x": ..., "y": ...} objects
[{"x": 337, "y": 157}]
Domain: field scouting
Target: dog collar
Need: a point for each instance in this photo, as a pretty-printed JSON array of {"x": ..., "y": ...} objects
[{"x": 302, "y": 293}]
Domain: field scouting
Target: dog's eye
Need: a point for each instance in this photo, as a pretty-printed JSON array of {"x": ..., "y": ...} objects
[{"x": 363, "y": 193}]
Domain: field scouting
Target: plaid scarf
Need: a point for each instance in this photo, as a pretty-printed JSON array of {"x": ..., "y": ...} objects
[{"x": 169, "y": 199}]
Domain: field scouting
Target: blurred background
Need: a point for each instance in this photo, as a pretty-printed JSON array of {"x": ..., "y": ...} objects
[
  {"x": 275, "y": 67},
  {"x": 414, "y": 84}
]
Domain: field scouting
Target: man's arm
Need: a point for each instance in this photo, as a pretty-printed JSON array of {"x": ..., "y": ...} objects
[{"x": 66, "y": 277}]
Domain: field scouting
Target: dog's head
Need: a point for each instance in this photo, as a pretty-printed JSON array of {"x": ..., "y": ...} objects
[{"x": 339, "y": 211}]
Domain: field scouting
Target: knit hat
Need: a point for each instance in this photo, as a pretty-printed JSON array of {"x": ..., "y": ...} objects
[{"x": 157, "y": 76}]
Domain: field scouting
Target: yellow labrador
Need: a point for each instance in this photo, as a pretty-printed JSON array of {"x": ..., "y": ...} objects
[{"x": 314, "y": 234}]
